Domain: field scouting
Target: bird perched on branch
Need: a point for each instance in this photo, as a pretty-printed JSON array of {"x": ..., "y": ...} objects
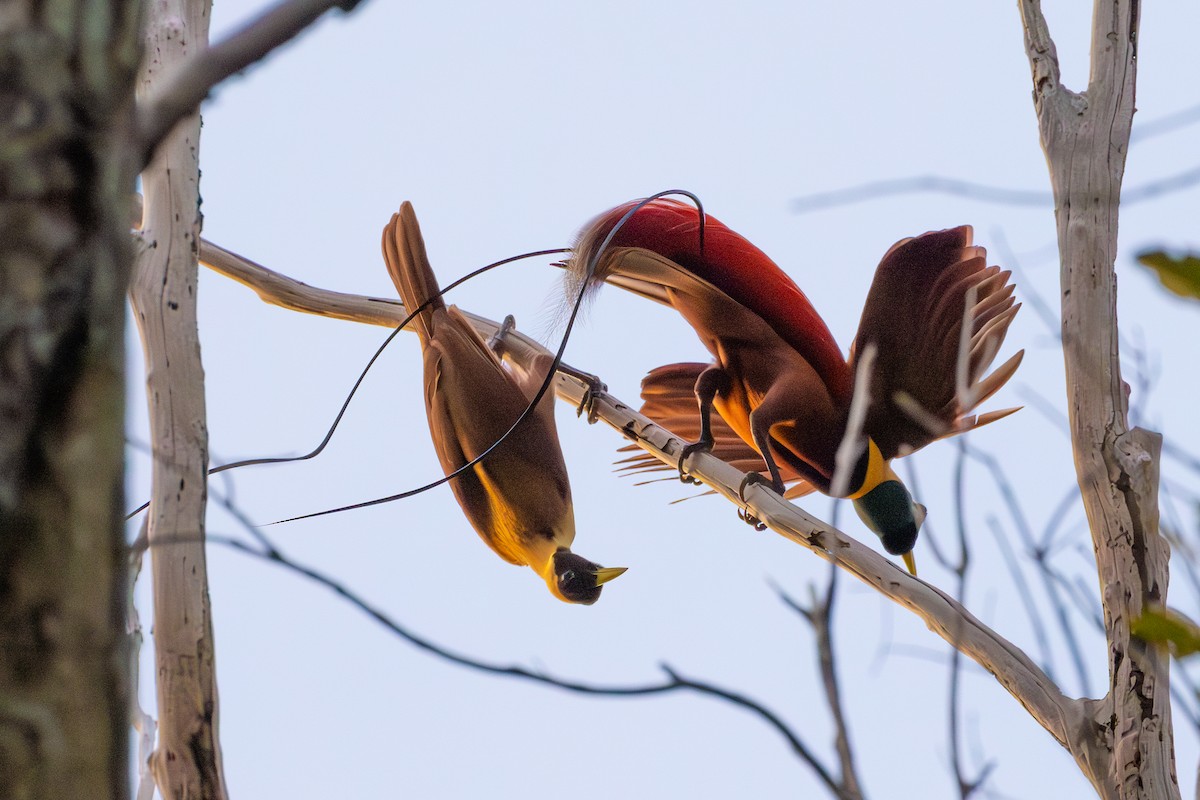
[
  {"x": 792, "y": 404},
  {"x": 518, "y": 498}
]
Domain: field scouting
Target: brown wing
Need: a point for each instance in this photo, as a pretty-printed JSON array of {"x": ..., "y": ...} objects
[
  {"x": 669, "y": 398},
  {"x": 927, "y": 376}
]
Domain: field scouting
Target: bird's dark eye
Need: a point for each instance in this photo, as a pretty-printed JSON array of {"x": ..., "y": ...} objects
[{"x": 575, "y": 578}]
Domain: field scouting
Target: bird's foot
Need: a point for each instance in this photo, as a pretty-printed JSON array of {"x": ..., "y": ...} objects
[
  {"x": 701, "y": 446},
  {"x": 593, "y": 388},
  {"x": 748, "y": 518},
  {"x": 759, "y": 479}
]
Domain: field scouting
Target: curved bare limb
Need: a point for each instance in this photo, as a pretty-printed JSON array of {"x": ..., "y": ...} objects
[
  {"x": 1061, "y": 716},
  {"x": 185, "y": 88}
]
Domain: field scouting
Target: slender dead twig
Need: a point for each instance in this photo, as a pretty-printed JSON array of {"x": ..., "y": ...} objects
[
  {"x": 927, "y": 528},
  {"x": 819, "y": 615},
  {"x": 938, "y": 184},
  {"x": 1054, "y": 522},
  {"x": 966, "y": 786},
  {"x": 1017, "y": 513},
  {"x": 1025, "y": 595},
  {"x": 1040, "y": 307}
]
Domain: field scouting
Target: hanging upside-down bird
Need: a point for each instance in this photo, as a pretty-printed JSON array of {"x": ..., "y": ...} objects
[
  {"x": 518, "y": 498},
  {"x": 780, "y": 382}
]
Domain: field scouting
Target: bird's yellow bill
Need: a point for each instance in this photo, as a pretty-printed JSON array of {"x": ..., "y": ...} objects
[
  {"x": 606, "y": 574},
  {"x": 911, "y": 563}
]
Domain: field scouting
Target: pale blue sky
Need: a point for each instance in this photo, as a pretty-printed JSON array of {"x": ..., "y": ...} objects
[{"x": 509, "y": 126}]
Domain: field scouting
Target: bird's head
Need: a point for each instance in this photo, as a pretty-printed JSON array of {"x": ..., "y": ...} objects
[
  {"x": 889, "y": 510},
  {"x": 574, "y": 579}
]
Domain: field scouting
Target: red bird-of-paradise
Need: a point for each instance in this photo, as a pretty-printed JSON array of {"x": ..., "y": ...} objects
[{"x": 935, "y": 317}]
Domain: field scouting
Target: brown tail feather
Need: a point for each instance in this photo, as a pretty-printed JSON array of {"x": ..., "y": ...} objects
[{"x": 407, "y": 263}]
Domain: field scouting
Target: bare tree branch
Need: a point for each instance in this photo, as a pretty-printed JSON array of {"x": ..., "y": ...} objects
[
  {"x": 797, "y": 746},
  {"x": 915, "y": 184},
  {"x": 186, "y": 86},
  {"x": 1059, "y": 714},
  {"x": 918, "y": 184}
]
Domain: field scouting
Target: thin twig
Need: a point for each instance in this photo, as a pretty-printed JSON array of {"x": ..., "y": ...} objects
[
  {"x": 1025, "y": 594},
  {"x": 927, "y": 528},
  {"x": 986, "y": 193},
  {"x": 1166, "y": 124},
  {"x": 966, "y": 787},
  {"x": 919, "y": 184},
  {"x": 1181, "y": 548},
  {"x": 819, "y": 615},
  {"x": 1068, "y": 501},
  {"x": 1017, "y": 513},
  {"x": 853, "y": 444},
  {"x": 1048, "y": 316}
]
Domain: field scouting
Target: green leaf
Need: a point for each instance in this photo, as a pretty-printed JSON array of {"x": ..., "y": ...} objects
[
  {"x": 1160, "y": 624},
  {"x": 1180, "y": 274}
]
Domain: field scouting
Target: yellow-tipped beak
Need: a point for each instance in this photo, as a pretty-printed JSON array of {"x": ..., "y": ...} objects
[
  {"x": 606, "y": 574},
  {"x": 911, "y": 563}
]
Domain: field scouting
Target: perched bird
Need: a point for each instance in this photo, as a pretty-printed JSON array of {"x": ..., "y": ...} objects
[
  {"x": 934, "y": 319},
  {"x": 518, "y": 498}
]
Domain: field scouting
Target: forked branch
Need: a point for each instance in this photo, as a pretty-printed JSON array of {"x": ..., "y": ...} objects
[{"x": 1129, "y": 751}]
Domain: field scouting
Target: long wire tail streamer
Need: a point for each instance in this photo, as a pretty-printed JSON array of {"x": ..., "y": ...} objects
[{"x": 550, "y": 373}]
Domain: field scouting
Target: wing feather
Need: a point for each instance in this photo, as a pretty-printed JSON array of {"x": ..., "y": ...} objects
[
  {"x": 726, "y": 261},
  {"x": 914, "y": 315}
]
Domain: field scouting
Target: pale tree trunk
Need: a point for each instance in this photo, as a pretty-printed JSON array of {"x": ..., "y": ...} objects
[
  {"x": 1130, "y": 748},
  {"x": 66, "y": 91},
  {"x": 187, "y": 761}
]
